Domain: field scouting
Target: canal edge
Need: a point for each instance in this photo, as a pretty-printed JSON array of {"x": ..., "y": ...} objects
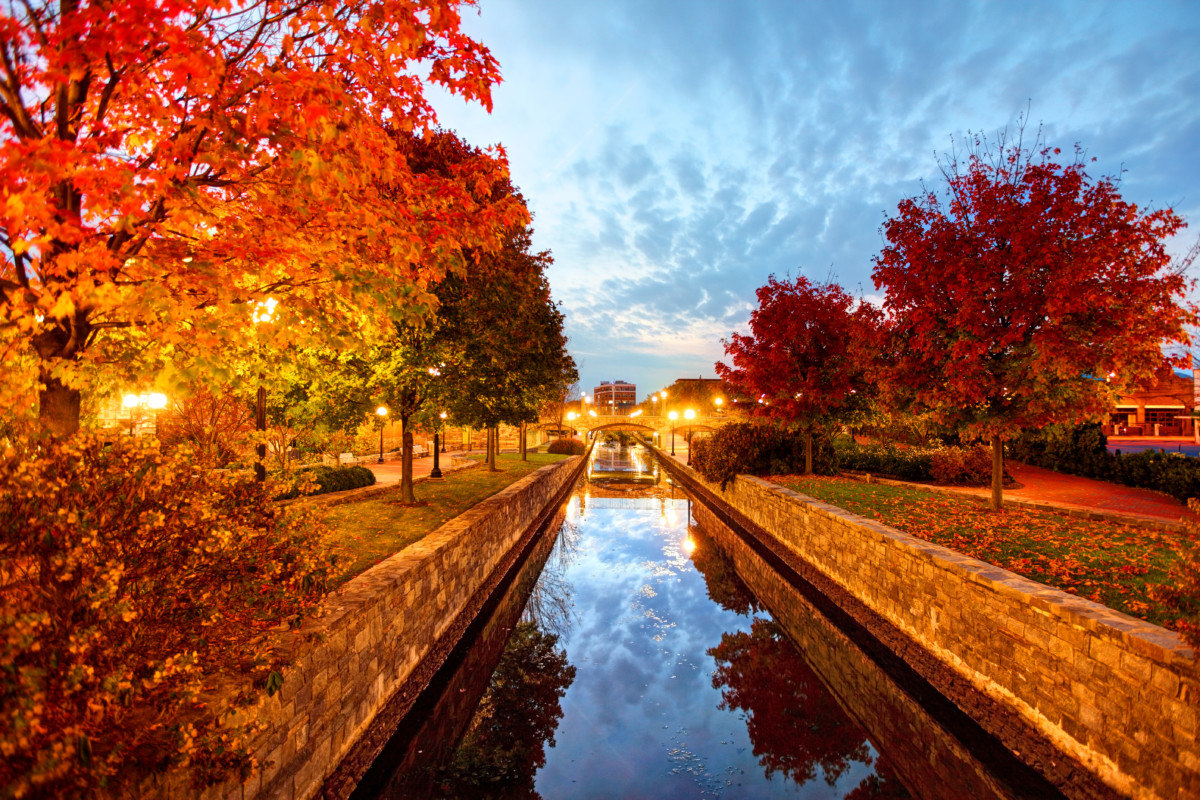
[{"x": 1065, "y": 668}]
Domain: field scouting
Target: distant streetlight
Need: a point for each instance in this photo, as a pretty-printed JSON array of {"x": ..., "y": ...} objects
[
  {"x": 382, "y": 413},
  {"x": 264, "y": 311},
  {"x": 673, "y": 416},
  {"x": 688, "y": 415},
  {"x": 720, "y": 401},
  {"x": 443, "y": 418},
  {"x": 436, "y": 472}
]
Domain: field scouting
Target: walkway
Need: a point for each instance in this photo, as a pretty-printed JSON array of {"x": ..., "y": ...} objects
[{"x": 390, "y": 471}]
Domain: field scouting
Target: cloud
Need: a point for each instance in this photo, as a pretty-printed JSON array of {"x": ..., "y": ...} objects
[{"x": 676, "y": 154}]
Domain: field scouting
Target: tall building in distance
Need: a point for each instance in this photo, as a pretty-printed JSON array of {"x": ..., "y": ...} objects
[{"x": 615, "y": 397}]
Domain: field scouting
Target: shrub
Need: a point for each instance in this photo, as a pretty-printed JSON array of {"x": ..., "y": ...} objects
[
  {"x": 569, "y": 447},
  {"x": 321, "y": 479},
  {"x": 129, "y": 579},
  {"x": 906, "y": 464},
  {"x": 962, "y": 466},
  {"x": 752, "y": 448}
]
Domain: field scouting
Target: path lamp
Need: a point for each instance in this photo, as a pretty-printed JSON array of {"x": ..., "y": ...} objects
[
  {"x": 264, "y": 311},
  {"x": 689, "y": 415},
  {"x": 720, "y": 401},
  {"x": 154, "y": 400},
  {"x": 436, "y": 472},
  {"x": 673, "y": 416},
  {"x": 442, "y": 417},
  {"x": 381, "y": 412}
]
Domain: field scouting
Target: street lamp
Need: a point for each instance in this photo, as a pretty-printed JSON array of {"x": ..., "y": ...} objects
[
  {"x": 688, "y": 415},
  {"x": 436, "y": 472},
  {"x": 154, "y": 400},
  {"x": 673, "y": 416},
  {"x": 442, "y": 416},
  {"x": 720, "y": 401},
  {"x": 382, "y": 413}
]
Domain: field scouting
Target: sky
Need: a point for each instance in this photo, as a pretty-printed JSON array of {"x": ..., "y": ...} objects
[{"x": 676, "y": 154}]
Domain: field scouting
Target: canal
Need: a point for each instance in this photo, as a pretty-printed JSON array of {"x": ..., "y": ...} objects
[{"x": 636, "y": 655}]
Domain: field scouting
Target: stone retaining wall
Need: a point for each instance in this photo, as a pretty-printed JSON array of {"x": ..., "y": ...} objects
[
  {"x": 376, "y": 631},
  {"x": 1120, "y": 695}
]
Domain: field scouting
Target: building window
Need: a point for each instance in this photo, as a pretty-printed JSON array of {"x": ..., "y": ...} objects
[{"x": 1163, "y": 416}]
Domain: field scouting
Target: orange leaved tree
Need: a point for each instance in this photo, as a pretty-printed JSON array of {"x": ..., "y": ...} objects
[
  {"x": 167, "y": 166},
  {"x": 1028, "y": 296}
]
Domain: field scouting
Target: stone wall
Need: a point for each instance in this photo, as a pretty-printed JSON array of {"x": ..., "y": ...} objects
[
  {"x": 1119, "y": 695},
  {"x": 374, "y": 636}
]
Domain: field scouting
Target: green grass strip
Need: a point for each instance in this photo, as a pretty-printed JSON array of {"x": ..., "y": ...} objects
[
  {"x": 1108, "y": 562},
  {"x": 366, "y": 532}
]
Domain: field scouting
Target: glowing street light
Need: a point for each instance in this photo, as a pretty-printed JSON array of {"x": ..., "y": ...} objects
[
  {"x": 673, "y": 416},
  {"x": 381, "y": 412},
  {"x": 436, "y": 472},
  {"x": 155, "y": 401}
]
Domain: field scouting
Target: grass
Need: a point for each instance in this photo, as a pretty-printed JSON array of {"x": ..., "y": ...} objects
[
  {"x": 366, "y": 532},
  {"x": 1110, "y": 563}
]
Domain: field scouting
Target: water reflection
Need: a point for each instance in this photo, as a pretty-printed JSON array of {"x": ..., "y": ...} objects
[{"x": 647, "y": 665}]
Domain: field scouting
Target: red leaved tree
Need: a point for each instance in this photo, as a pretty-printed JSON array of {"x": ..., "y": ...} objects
[
  {"x": 1029, "y": 296},
  {"x": 166, "y": 166},
  {"x": 807, "y": 358}
]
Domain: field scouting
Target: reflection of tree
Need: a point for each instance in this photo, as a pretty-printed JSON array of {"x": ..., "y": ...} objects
[
  {"x": 549, "y": 605},
  {"x": 505, "y": 743},
  {"x": 725, "y": 587},
  {"x": 794, "y": 722}
]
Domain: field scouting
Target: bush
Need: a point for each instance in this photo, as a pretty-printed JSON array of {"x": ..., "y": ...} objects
[
  {"x": 322, "y": 479},
  {"x": 568, "y": 447},
  {"x": 129, "y": 580},
  {"x": 962, "y": 466},
  {"x": 750, "y": 448},
  {"x": 905, "y": 464}
]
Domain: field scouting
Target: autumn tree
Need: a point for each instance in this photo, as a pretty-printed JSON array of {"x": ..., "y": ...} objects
[
  {"x": 164, "y": 167},
  {"x": 807, "y": 358},
  {"x": 1028, "y": 293}
]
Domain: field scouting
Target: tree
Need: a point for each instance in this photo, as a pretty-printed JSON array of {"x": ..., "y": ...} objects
[
  {"x": 143, "y": 147},
  {"x": 509, "y": 332},
  {"x": 1029, "y": 296},
  {"x": 808, "y": 356}
]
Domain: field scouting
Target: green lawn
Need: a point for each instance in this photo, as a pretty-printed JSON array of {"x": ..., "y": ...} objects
[
  {"x": 1107, "y": 562},
  {"x": 366, "y": 532}
]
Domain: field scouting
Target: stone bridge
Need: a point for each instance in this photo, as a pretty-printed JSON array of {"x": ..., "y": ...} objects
[{"x": 656, "y": 427}]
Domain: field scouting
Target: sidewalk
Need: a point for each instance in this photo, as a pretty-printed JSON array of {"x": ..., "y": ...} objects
[{"x": 390, "y": 471}]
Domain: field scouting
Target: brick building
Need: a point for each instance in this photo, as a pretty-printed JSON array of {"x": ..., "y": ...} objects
[
  {"x": 615, "y": 397},
  {"x": 1157, "y": 409}
]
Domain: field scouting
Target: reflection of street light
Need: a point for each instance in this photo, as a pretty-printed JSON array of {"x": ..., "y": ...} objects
[
  {"x": 673, "y": 416},
  {"x": 436, "y": 472},
  {"x": 382, "y": 412}
]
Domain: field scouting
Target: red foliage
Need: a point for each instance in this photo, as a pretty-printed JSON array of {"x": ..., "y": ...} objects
[
  {"x": 808, "y": 352},
  {"x": 1015, "y": 300}
]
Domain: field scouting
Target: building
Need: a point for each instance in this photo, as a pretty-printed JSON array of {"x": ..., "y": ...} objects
[
  {"x": 1163, "y": 408},
  {"x": 615, "y": 397}
]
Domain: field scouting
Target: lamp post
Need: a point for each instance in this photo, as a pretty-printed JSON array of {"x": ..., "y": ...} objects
[
  {"x": 689, "y": 415},
  {"x": 264, "y": 311},
  {"x": 436, "y": 472},
  {"x": 720, "y": 401},
  {"x": 154, "y": 400},
  {"x": 381, "y": 412},
  {"x": 673, "y": 416}
]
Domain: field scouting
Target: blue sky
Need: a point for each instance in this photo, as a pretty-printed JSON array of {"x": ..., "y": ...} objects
[{"x": 675, "y": 154}]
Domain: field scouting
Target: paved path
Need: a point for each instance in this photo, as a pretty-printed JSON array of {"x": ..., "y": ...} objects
[{"x": 390, "y": 470}]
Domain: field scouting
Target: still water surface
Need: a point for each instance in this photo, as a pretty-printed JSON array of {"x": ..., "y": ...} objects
[{"x": 632, "y": 660}]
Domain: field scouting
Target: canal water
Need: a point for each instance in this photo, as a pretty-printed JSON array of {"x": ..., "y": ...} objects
[{"x": 639, "y": 656}]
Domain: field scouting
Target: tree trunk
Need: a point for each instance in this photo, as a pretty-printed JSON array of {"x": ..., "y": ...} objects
[
  {"x": 494, "y": 446},
  {"x": 808, "y": 470},
  {"x": 406, "y": 476},
  {"x": 524, "y": 452},
  {"x": 997, "y": 474},
  {"x": 58, "y": 407}
]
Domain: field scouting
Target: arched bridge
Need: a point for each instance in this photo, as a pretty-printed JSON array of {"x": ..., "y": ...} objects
[{"x": 647, "y": 424}]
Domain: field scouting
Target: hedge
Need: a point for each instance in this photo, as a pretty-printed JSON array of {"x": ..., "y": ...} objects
[
  {"x": 329, "y": 479},
  {"x": 759, "y": 448}
]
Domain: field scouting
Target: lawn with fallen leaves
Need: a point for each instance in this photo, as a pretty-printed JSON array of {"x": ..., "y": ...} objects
[
  {"x": 366, "y": 532},
  {"x": 1108, "y": 562}
]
